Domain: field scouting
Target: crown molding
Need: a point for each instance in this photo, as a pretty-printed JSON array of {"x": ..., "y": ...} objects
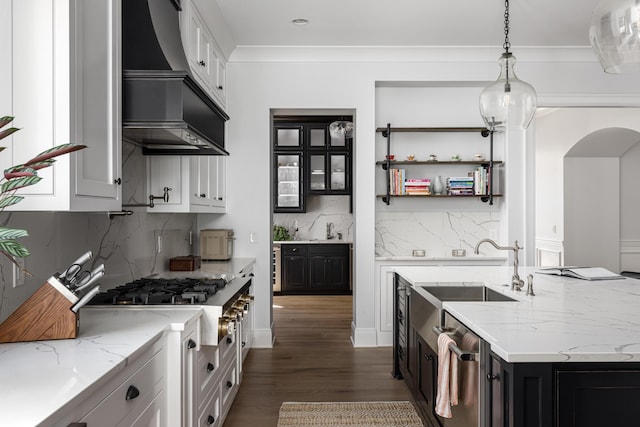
[{"x": 357, "y": 54}]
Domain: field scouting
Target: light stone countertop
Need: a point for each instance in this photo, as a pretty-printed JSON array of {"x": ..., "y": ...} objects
[
  {"x": 38, "y": 379},
  {"x": 568, "y": 320}
]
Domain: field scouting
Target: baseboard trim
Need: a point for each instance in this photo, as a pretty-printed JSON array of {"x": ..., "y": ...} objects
[
  {"x": 363, "y": 337},
  {"x": 263, "y": 338}
]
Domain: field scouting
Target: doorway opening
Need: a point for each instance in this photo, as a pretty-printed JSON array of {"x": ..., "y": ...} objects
[{"x": 312, "y": 212}]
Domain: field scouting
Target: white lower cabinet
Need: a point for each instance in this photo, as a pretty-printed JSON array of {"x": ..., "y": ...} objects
[
  {"x": 197, "y": 183},
  {"x": 135, "y": 396}
]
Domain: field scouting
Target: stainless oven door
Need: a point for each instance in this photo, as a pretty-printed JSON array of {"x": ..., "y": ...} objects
[{"x": 471, "y": 351}]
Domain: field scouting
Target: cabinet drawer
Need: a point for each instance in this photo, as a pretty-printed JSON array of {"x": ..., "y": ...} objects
[
  {"x": 207, "y": 371},
  {"x": 228, "y": 388},
  {"x": 228, "y": 348},
  {"x": 295, "y": 250},
  {"x": 209, "y": 413},
  {"x": 133, "y": 396},
  {"x": 329, "y": 249}
]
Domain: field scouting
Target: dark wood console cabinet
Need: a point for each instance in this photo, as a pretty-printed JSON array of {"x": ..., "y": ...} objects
[{"x": 316, "y": 269}]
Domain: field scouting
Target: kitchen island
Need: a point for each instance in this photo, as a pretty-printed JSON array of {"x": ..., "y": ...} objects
[{"x": 567, "y": 356}]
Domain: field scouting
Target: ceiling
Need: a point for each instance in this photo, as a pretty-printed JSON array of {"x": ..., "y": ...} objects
[{"x": 538, "y": 23}]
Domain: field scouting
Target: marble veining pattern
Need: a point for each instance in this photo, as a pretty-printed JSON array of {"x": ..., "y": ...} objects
[
  {"x": 125, "y": 244},
  {"x": 438, "y": 233},
  {"x": 312, "y": 225},
  {"x": 52, "y": 373},
  {"x": 568, "y": 320}
]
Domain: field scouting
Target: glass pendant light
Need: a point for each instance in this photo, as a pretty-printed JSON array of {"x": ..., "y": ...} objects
[
  {"x": 615, "y": 35},
  {"x": 341, "y": 128},
  {"x": 508, "y": 102}
]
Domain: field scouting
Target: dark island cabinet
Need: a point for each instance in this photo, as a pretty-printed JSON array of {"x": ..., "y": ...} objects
[
  {"x": 316, "y": 269},
  {"x": 598, "y": 396},
  {"x": 562, "y": 394},
  {"x": 425, "y": 387}
]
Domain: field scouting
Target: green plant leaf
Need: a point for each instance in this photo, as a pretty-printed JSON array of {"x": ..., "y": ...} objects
[
  {"x": 12, "y": 233},
  {"x": 18, "y": 171},
  {"x": 21, "y": 182},
  {"x": 55, "y": 152},
  {"x": 5, "y": 133},
  {"x": 9, "y": 200},
  {"x": 13, "y": 248},
  {"x": 5, "y": 120}
]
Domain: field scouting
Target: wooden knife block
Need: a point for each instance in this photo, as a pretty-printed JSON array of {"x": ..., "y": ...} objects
[{"x": 46, "y": 315}]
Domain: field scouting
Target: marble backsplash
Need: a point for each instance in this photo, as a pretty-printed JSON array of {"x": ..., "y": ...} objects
[
  {"x": 438, "y": 233},
  {"x": 125, "y": 244},
  {"x": 321, "y": 210}
]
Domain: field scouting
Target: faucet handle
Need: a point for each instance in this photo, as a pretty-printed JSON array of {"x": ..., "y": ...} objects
[{"x": 530, "y": 286}]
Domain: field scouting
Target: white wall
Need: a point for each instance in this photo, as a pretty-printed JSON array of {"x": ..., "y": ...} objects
[
  {"x": 557, "y": 132},
  {"x": 344, "y": 78},
  {"x": 592, "y": 211}
]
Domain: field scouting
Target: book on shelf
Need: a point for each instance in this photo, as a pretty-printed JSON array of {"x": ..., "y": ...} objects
[{"x": 584, "y": 273}]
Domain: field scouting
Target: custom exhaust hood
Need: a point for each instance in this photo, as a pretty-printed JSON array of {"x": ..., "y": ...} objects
[{"x": 164, "y": 110}]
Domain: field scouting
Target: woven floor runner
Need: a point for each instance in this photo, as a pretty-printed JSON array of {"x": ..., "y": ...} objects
[{"x": 348, "y": 414}]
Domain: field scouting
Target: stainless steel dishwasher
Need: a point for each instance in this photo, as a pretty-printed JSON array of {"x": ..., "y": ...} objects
[
  {"x": 472, "y": 353},
  {"x": 429, "y": 320}
]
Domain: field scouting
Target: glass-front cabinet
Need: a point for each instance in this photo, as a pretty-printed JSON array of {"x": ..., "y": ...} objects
[
  {"x": 308, "y": 160},
  {"x": 289, "y": 183}
]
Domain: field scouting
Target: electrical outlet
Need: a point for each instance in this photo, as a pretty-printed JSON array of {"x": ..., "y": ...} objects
[
  {"x": 19, "y": 272},
  {"x": 159, "y": 243},
  {"x": 253, "y": 238}
]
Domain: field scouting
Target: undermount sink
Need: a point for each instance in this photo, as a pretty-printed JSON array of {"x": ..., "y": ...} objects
[{"x": 466, "y": 293}]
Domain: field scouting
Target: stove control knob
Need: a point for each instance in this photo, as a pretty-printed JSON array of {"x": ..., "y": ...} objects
[{"x": 226, "y": 326}]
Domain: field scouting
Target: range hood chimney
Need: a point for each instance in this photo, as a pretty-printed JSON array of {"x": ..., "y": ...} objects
[{"x": 164, "y": 109}]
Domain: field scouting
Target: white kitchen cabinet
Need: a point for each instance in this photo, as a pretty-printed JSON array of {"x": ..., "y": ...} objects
[
  {"x": 197, "y": 183},
  {"x": 61, "y": 77},
  {"x": 205, "y": 57},
  {"x": 208, "y": 178}
]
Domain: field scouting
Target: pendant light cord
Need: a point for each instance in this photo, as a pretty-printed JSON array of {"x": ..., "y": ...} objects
[{"x": 506, "y": 45}]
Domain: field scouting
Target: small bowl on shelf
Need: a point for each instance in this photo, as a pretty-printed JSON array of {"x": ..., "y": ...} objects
[
  {"x": 391, "y": 157},
  {"x": 411, "y": 158}
]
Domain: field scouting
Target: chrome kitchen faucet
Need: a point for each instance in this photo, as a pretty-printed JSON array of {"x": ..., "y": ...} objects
[{"x": 516, "y": 282}]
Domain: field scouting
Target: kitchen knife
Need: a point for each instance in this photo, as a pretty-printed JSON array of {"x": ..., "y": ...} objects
[
  {"x": 85, "y": 299},
  {"x": 75, "y": 267},
  {"x": 97, "y": 273}
]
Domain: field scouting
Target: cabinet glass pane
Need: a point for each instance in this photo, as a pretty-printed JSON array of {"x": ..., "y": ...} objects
[
  {"x": 317, "y": 172},
  {"x": 337, "y": 140},
  {"x": 338, "y": 163},
  {"x": 288, "y": 181},
  {"x": 288, "y": 137},
  {"x": 317, "y": 138}
]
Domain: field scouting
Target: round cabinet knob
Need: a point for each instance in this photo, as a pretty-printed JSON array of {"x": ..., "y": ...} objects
[
  {"x": 210, "y": 367},
  {"x": 491, "y": 377},
  {"x": 191, "y": 344},
  {"x": 210, "y": 420},
  {"x": 201, "y": 62},
  {"x": 220, "y": 87},
  {"x": 229, "y": 384},
  {"x": 428, "y": 356},
  {"x": 203, "y": 195},
  {"x": 244, "y": 344},
  {"x": 132, "y": 393},
  {"x": 117, "y": 181},
  {"x": 229, "y": 340}
]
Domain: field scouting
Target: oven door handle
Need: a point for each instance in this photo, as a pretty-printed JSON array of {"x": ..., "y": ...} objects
[{"x": 465, "y": 356}]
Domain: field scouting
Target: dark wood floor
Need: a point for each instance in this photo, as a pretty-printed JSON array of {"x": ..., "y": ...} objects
[{"x": 312, "y": 361}]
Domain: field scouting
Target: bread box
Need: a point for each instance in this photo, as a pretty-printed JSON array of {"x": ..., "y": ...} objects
[{"x": 184, "y": 263}]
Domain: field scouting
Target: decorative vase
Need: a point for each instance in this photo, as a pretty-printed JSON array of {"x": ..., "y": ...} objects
[{"x": 438, "y": 187}]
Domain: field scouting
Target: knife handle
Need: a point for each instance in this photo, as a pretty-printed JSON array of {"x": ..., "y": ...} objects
[{"x": 85, "y": 299}]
